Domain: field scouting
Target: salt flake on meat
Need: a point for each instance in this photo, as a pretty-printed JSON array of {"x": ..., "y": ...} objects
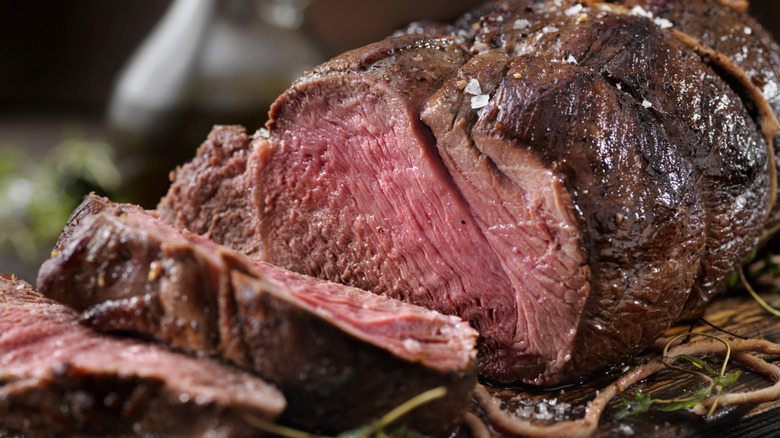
[
  {"x": 480, "y": 101},
  {"x": 574, "y": 10},
  {"x": 640, "y": 11},
  {"x": 663, "y": 23},
  {"x": 473, "y": 87},
  {"x": 521, "y": 23}
]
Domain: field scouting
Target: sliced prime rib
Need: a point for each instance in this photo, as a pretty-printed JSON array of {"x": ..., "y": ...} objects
[
  {"x": 569, "y": 179},
  {"x": 342, "y": 356},
  {"x": 59, "y": 378}
]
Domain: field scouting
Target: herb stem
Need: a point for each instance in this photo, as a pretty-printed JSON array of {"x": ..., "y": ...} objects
[
  {"x": 406, "y": 407},
  {"x": 755, "y": 296},
  {"x": 277, "y": 429}
]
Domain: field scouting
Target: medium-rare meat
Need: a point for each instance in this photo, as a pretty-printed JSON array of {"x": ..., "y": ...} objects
[
  {"x": 704, "y": 119},
  {"x": 342, "y": 356},
  {"x": 703, "y": 116},
  {"x": 410, "y": 204},
  {"x": 604, "y": 280},
  {"x": 58, "y": 378},
  {"x": 572, "y": 181}
]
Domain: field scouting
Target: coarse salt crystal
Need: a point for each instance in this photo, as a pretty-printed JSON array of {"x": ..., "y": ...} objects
[
  {"x": 549, "y": 29},
  {"x": 646, "y": 103},
  {"x": 638, "y": 10},
  {"x": 562, "y": 409},
  {"x": 663, "y": 23},
  {"x": 748, "y": 30},
  {"x": 625, "y": 429},
  {"x": 571, "y": 60},
  {"x": 521, "y": 23},
  {"x": 473, "y": 87},
  {"x": 480, "y": 101},
  {"x": 574, "y": 10},
  {"x": 543, "y": 413}
]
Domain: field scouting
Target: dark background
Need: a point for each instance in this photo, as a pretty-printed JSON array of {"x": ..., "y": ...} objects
[{"x": 63, "y": 56}]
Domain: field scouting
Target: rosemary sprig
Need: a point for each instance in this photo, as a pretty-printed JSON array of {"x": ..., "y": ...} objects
[{"x": 639, "y": 404}]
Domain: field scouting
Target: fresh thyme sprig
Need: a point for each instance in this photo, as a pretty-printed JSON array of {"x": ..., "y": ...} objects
[
  {"x": 716, "y": 382},
  {"x": 769, "y": 267},
  {"x": 755, "y": 296},
  {"x": 376, "y": 428}
]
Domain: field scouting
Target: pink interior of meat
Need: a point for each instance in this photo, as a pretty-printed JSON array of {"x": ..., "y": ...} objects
[
  {"x": 353, "y": 182},
  {"x": 412, "y": 332},
  {"x": 39, "y": 336},
  {"x": 528, "y": 218},
  {"x": 526, "y": 215}
]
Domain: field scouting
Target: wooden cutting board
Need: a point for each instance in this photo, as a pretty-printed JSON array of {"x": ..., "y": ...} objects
[{"x": 736, "y": 312}]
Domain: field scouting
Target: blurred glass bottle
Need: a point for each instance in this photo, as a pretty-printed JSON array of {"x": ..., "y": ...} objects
[{"x": 207, "y": 62}]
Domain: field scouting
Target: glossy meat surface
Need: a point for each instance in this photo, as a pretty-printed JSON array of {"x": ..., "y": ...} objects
[
  {"x": 569, "y": 178},
  {"x": 342, "y": 356},
  {"x": 60, "y": 378}
]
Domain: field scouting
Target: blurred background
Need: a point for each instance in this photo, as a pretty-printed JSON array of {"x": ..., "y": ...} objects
[{"x": 110, "y": 96}]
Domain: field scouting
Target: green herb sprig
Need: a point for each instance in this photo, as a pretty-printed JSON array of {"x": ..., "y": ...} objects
[
  {"x": 769, "y": 267},
  {"x": 374, "y": 429},
  {"x": 715, "y": 382}
]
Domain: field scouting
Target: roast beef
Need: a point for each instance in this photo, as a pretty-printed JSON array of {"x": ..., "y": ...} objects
[
  {"x": 570, "y": 179},
  {"x": 734, "y": 33},
  {"x": 705, "y": 121},
  {"x": 703, "y": 116},
  {"x": 343, "y": 357},
  {"x": 585, "y": 147},
  {"x": 58, "y": 378}
]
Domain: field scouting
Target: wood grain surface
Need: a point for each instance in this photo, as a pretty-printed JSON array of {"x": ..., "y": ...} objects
[{"x": 736, "y": 312}]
